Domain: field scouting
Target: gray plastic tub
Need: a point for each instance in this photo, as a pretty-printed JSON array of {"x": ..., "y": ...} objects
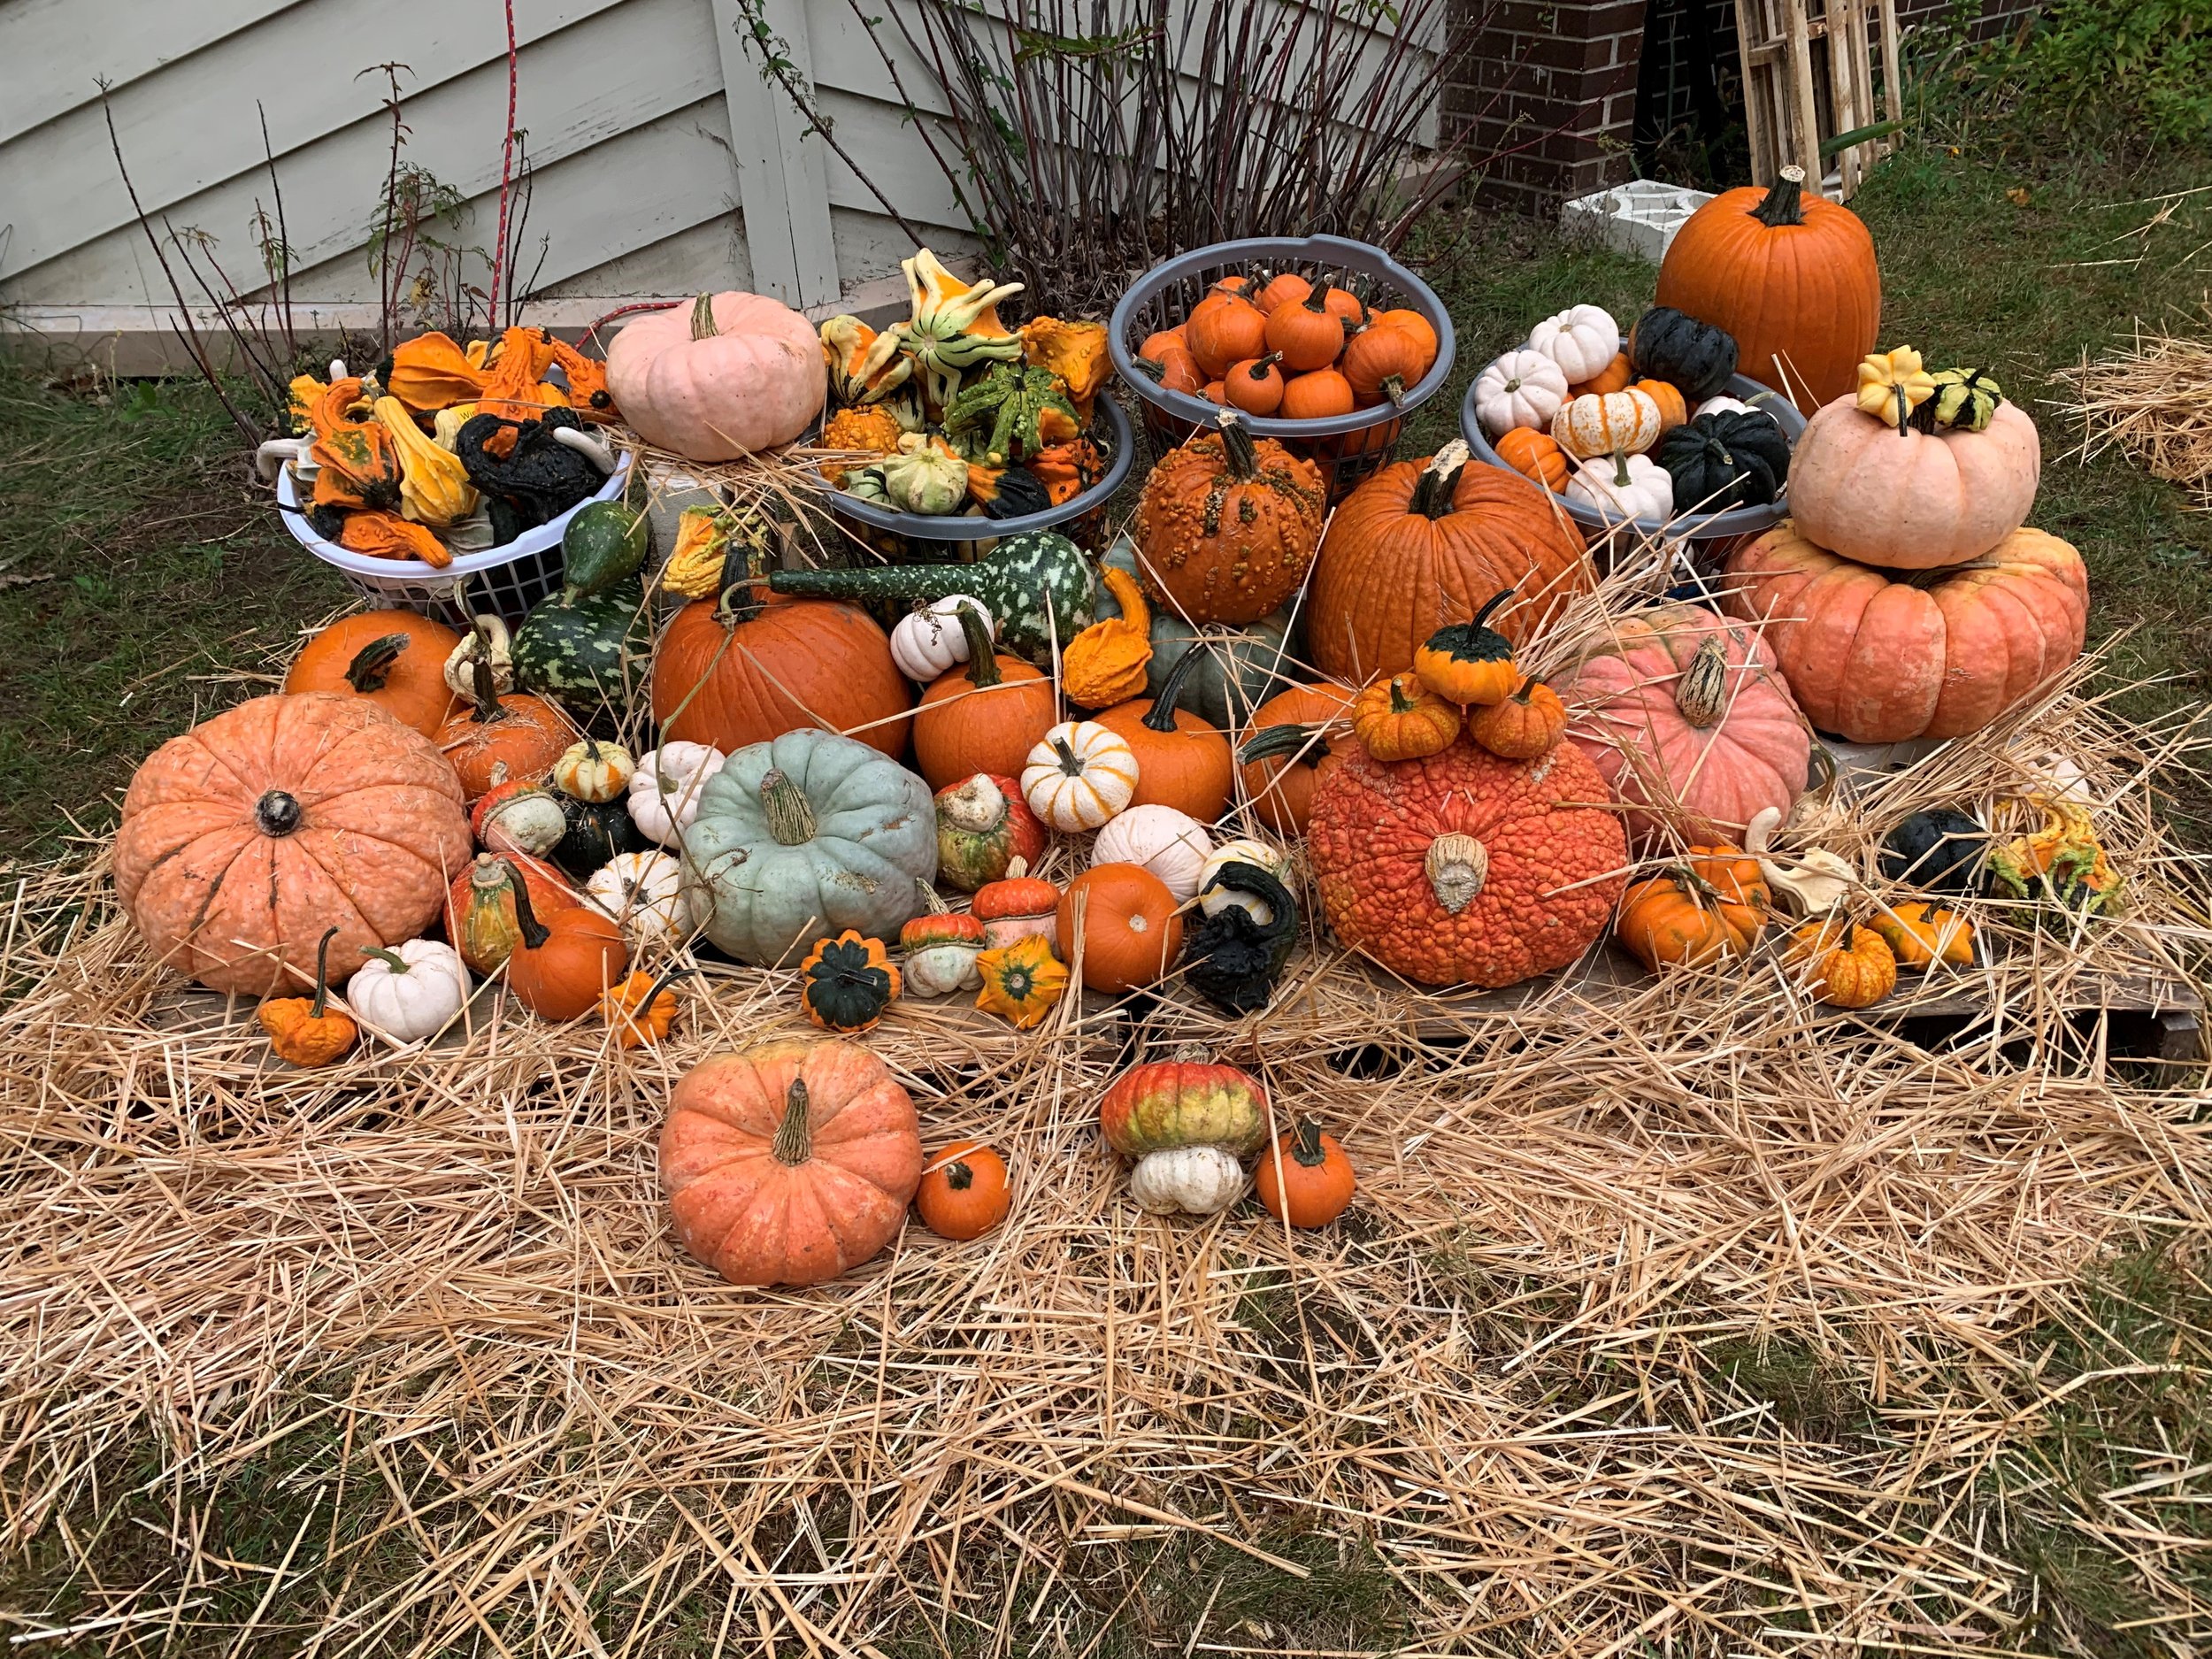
[{"x": 1347, "y": 447}]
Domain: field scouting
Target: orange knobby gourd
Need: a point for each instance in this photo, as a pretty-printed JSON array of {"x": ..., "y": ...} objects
[
  {"x": 985, "y": 715},
  {"x": 1181, "y": 761},
  {"x": 393, "y": 658},
  {"x": 567, "y": 961},
  {"x": 1124, "y": 922}
]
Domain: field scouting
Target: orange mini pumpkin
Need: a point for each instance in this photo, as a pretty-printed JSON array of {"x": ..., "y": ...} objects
[
  {"x": 1673, "y": 410},
  {"x": 563, "y": 965},
  {"x": 790, "y": 1163},
  {"x": 983, "y": 716},
  {"x": 1614, "y": 376},
  {"x": 1317, "y": 395},
  {"x": 1223, "y": 329},
  {"x": 1304, "y": 334},
  {"x": 965, "y": 1191},
  {"x": 1400, "y": 719},
  {"x": 1713, "y": 905},
  {"x": 1524, "y": 726},
  {"x": 499, "y": 739},
  {"x": 1124, "y": 922},
  {"x": 394, "y": 658},
  {"x": 1181, "y": 761},
  {"x": 1305, "y": 1178},
  {"x": 1536, "y": 455},
  {"x": 1843, "y": 966}
]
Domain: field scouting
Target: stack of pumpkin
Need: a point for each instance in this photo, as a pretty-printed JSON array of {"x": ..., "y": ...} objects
[
  {"x": 1284, "y": 347},
  {"x": 1644, "y": 432},
  {"x": 966, "y": 414},
  {"x": 447, "y": 449}
]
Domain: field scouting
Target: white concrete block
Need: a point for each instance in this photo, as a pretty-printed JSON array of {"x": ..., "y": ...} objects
[{"x": 1639, "y": 217}]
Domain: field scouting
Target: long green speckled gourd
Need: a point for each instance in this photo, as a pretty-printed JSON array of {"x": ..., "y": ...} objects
[{"x": 1016, "y": 581}]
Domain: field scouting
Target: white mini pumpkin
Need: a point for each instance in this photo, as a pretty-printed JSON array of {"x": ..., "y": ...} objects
[
  {"x": 593, "y": 771},
  {"x": 1521, "y": 389},
  {"x": 1624, "y": 486},
  {"x": 1194, "y": 1180},
  {"x": 408, "y": 991},
  {"x": 664, "y": 788},
  {"x": 927, "y": 643},
  {"x": 1213, "y": 900},
  {"x": 1171, "y": 844},
  {"x": 1581, "y": 340},
  {"x": 645, "y": 895},
  {"x": 1080, "y": 775}
]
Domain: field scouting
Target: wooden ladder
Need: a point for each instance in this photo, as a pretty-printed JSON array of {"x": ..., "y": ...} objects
[{"x": 1788, "y": 118}]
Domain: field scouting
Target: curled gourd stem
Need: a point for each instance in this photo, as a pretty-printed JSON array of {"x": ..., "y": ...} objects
[
  {"x": 391, "y": 959},
  {"x": 1161, "y": 716},
  {"x": 982, "y": 657},
  {"x": 1275, "y": 742},
  {"x": 795, "y": 1136},
  {"x": 535, "y": 932},
  {"x": 372, "y": 663}
]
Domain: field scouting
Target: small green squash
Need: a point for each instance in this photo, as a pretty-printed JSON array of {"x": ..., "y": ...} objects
[
  {"x": 1016, "y": 582},
  {"x": 605, "y": 542}
]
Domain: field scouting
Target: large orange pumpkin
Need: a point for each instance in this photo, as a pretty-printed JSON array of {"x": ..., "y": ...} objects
[
  {"x": 790, "y": 1163},
  {"x": 1278, "y": 773},
  {"x": 1689, "y": 719},
  {"x": 1228, "y": 525},
  {"x": 1465, "y": 869},
  {"x": 1877, "y": 658},
  {"x": 1422, "y": 544},
  {"x": 752, "y": 666},
  {"x": 1128, "y": 924},
  {"x": 394, "y": 658},
  {"x": 1792, "y": 277},
  {"x": 243, "y": 840}
]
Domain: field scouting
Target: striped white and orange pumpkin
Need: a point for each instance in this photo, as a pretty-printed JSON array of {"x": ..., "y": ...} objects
[{"x": 1608, "y": 423}]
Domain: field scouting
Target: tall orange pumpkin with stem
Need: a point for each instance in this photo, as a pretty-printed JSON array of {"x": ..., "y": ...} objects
[
  {"x": 983, "y": 715},
  {"x": 1181, "y": 761},
  {"x": 566, "y": 961}
]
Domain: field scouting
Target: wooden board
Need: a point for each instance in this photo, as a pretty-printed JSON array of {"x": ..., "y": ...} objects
[{"x": 1809, "y": 76}]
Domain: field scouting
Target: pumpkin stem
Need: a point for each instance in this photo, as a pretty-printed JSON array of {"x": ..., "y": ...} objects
[
  {"x": 1237, "y": 447},
  {"x": 322, "y": 974},
  {"x": 1457, "y": 867},
  {"x": 793, "y": 1143},
  {"x": 485, "y": 689},
  {"x": 1703, "y": 686},
  {"x": 1069, "y": 764},
  {"x": 702, "y": 318},
  {"x": 1152, "y": 370},
  {"x": 276, "y": 813},
  {"x": 1784, "y": 204},
  {"x": 1400, "y": 703},
  {"x": 1305, "y": 1143},
  {"x": 391, "y": 959},
  {"x": 1260, "y": 366},
  {"x": 959, "y": 1177},
  {"x": 1432, "y": 494},
  {"x": 1490, "y": 608},
  {"x": 1277, "y": 741},
  {"x": 1620, "y": 469},
  {"x": 1161, "y": 716},
  {"x": 371, "y": 665},
  {"x": 932, "y": 904},
  {"x": 535, "y": 933},
  {"x": 982, "y": 658},
  {"x": 736, "y": 601},
  {"x": 784, "y": 804}
]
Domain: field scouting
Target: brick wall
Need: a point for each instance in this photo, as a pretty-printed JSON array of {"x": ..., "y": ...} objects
[{"x": 1558, "y": 83}]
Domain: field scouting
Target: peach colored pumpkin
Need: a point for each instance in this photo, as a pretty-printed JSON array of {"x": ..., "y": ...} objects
[
  {"x": 1877, "y": 659},
  {"x": 248, "y": 837},
  {"x": 1707, "y": 769},
  {"x": 727, "y": 376},
  {"x": 1912, "y": 501}
]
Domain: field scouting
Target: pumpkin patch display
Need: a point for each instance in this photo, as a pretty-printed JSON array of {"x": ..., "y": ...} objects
[
  {"x": 1422, "y": 544},
  {"x": 244, "y": 840},
  {"x": 1689, "y": 720},
  {"x": 394, "y": 658},
  {"x": 1465, "y": 869},
  {"x": 789, "y": 1162},
  {"x": 1877, "y": 657},
  {"x": 1228, "y": 525}
]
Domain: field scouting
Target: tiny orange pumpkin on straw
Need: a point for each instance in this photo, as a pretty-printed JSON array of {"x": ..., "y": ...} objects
[
  {"x": 965, "y": 1191},
  {"x": 1844, "y": 965},
  {"x": 640, "y": 1010},
  {"x": 1400, "y": 719},
  {"x": 1305, "y": 1178},
  {"x": 307, "y": 1031}
]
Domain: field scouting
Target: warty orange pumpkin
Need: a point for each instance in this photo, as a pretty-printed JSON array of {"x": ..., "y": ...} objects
[
  {"x": 1228, "y": 525},
  {"x": 245, "y": 839}
]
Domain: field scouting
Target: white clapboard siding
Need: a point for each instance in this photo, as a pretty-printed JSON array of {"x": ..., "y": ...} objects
[{"x": 664, "y": 162}]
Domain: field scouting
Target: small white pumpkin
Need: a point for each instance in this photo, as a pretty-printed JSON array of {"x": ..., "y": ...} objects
[
  {"x": 1608, "y": 423},
  {"x": 593, "y": 771},
  {"x": 1581, "y": 340},
  {"x": 1723, "y": 404},
  {"x": 1194, "y": 1180},
  {"x": 927, "y": 643},
  {"x": 1080, "y": 775},
  {"x": 487, "y": 641},
  {"x": 528, "y": 821},
  {"x": 1213, "y": 900},
  {"x": 644, "y": 894},
  {"x": 1171, "y": 844},
  {"x": 1521, "y": 389},
  {"x": 408, "y": 991},
  {"x": 1624, "y": 486},
  {"x": 664, "y": 788}
]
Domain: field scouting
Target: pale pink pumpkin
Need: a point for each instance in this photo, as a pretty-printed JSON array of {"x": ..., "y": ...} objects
[
  {"x": 1705, "y": 781},
  {"x": 245, "y": 839},
  {"x": 1878, "y": 658},
  {"x": 727, "y": 376},
  {"x": 1912, "y": 501}
]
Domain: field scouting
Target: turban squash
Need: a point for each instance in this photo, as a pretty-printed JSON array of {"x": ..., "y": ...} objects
[
  {"x": 1878, "y": 658},
  {"x": 1464, "y": 868},
  {"x": 1688, "y": 718},
  {"x": 246, "y": 839},
  {"x": 1425, "y": 544}
]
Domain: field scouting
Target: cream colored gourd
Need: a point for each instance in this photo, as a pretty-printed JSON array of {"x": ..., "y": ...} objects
[
  {"x": 664, "y": 788},
  {"x": 1171, "y": 844},
  {"x": 1079, "y": 776},
  {"x": 644, "y": 894},
  {"x": 927, "y": 643},
  {"x": 1190, "y": 1180},
  {"x": 408, "y": 991},
  {"x": 1608, "y": 423}
]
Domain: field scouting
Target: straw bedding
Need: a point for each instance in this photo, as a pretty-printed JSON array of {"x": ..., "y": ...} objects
[{"x": 518, "y": 1421}]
